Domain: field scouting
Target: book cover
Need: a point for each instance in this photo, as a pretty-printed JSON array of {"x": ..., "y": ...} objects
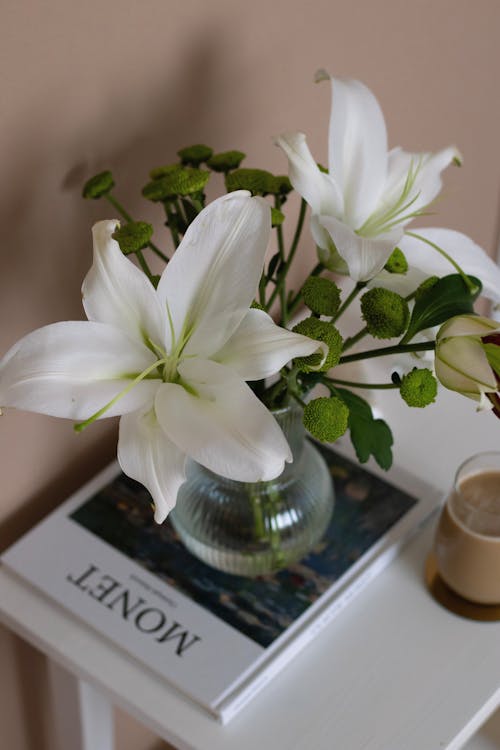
[{"x": 216, "y": 637}]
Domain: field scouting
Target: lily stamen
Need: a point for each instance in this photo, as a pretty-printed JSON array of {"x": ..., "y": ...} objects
[{"x": 80, "y": 426}]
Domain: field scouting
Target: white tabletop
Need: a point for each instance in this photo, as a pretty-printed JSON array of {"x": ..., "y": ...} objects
[{"x": 393, "y": 671}]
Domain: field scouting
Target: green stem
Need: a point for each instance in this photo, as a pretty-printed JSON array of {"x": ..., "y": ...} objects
[
  {"x": 297, "y": 398},
  {"x": 354, "y": 339},
  {"x": 143, "y": 264},
  {"x": 119, "y": 207},
  {"x": 116, "y": 204},
  {"x": 293, "y": 248},
  {"x": 343, "y": 307},
  {"x": 470, "y": 285},
  {"x": 170, "y": 223},
  {"x": 258, "y": 518},
  {"x": 281, "y": 251},
  {"x": 262, "y": 290},
  {"x": 384, "y": 351}
]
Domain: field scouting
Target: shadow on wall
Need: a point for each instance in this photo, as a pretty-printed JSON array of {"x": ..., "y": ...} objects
[{"x": 47, "y": 251}]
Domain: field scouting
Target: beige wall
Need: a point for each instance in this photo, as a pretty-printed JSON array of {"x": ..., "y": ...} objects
[{"x": 124, "y": 84}]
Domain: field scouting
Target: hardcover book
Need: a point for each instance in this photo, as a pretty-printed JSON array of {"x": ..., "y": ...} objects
[{"x": 215, "y": 637}]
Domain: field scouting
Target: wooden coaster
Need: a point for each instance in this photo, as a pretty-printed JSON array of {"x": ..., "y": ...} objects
[{"x": 455, "y": 603}]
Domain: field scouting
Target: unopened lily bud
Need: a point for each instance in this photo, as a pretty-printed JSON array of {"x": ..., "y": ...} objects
[{"x": 468, "y": 358}]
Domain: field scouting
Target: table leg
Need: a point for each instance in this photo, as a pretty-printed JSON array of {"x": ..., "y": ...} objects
[{"x": 82, "y": 714}]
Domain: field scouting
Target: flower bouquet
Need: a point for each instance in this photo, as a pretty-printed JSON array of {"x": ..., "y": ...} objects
[{"x": 192, "y": 360}]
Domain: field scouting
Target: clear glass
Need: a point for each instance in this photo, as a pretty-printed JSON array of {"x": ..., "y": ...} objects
[
  {"x": 467, "y": 545},
  {"x": 256, "y": 528}
]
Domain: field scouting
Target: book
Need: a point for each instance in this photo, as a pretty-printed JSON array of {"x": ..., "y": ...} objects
[{"x": 215, "y": 637}]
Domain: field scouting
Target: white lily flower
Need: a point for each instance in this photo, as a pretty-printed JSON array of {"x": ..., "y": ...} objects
[
  {"x": 369, "y": 194},
  {"x": 468, "y": 358},
  {"x": 424, "y": 261},
  {"x": 172, "y": 361}
]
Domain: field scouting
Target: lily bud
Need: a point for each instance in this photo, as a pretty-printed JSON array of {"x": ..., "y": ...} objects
[{"x": 468, "y": 359}]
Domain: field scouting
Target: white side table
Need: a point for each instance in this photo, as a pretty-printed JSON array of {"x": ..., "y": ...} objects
[{"x": 393, "y": 671}]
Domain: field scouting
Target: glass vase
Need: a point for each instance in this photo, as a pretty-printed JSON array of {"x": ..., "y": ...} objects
[{"x": 254, "y": 528}]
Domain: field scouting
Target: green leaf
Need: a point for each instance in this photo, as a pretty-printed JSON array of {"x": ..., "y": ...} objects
[
  {"x": 448, "y": 297},
  {"x": 369, "y": 436}
]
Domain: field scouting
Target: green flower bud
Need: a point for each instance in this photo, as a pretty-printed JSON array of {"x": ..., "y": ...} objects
[
  {"x": 277, "y": 217},
  {"x": 184, "y": 181},
  {"x": 257, "y": 181},
  {"x": 99, "y": 185},
  {"x": 326, "y": 418},
  {"x": 385, "y": 313},
  {"x": 257, "y": 306},
  {"x": 282, "y": 185},
  {"x": 168, "y": 169},
  {"x": 418, "y": 387},
  {"x": 226, "y": 161},
  {"x": 319, "y": 330},
  {"x": 195, "y": 155},
  {"x": 397, "y": 262},
  {"x": 321, "y": 295},
  {"x": 133, "y": 236}
]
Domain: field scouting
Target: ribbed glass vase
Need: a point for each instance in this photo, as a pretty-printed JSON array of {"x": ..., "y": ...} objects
[{"x": 256, "y": 528}]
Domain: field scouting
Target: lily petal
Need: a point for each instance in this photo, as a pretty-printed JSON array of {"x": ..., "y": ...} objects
[
  {"x": 427, "y": 182},
  {"x": 147, "y": 455},
  {"x": 469, "y": 256},
  {"x": 318, "y": 189},
  {"x": 467, "y": 325},
  {"x": 401, "y": 283},
  {"x": 357, "y": 148},
  {"x": 115, "y": 291},
  {"x": 259, "y": 348},
  {"x": 73, "y": 369},
  {"x": 212, "y": 278},
  {"x": 365, "y": 256},
  {"x": 224, "y": 427},
  {"x": 462, "y": 359}
]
